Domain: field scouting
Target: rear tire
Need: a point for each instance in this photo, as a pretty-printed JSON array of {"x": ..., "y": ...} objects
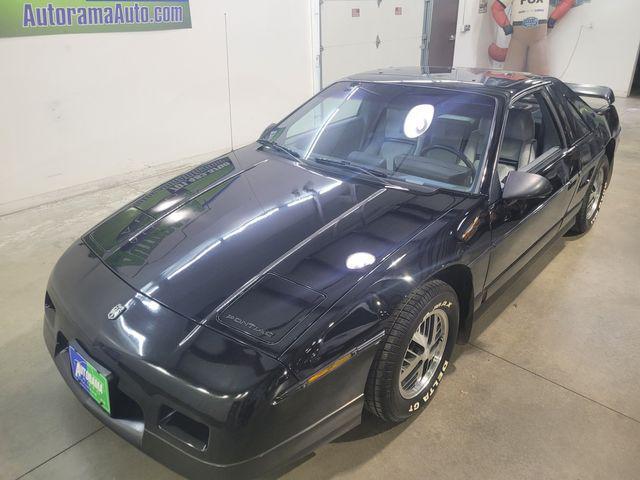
[
  {"x": 404, "y": 374},
  {"x": 593, "y": 199}
]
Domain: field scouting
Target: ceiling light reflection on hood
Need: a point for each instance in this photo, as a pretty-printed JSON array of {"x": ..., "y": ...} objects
[{"x": 359, "y": 260}]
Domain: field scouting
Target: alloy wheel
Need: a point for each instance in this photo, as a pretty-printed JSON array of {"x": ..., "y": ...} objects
[
  {"x": 424, "y": 353},
  {"x": 595, "y": 192}
]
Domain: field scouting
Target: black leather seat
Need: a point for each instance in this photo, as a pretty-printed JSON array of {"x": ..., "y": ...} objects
[{"x": 519, "y": 143}]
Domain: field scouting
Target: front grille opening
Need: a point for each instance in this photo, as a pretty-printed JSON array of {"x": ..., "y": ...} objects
[
  {"x": 48, "y": 303},
  {"x": 61, "y": 343},
  {"x": 49, "y": 309},
  {"x": 184, "y": 428},
  {"x": 123, "y": 406}
]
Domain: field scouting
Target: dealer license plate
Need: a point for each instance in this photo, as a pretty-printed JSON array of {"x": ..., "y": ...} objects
[{"x": 90, "y": 379}]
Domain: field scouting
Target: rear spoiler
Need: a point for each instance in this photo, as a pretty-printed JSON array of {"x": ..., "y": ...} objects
[{"x": 593, "y": 91}]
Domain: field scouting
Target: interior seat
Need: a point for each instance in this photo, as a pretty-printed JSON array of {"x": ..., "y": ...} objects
[
  {"x": 477, "y": 143},
  {"x": 387, "y": 142},
  {"x": 449, "y": 131},
  {"x": 519, "y": 144}
]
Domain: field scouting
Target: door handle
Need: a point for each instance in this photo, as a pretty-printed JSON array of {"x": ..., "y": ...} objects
[{"x": 452, "y": 38}]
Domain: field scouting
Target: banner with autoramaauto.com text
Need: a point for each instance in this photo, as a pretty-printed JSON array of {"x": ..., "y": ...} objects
[{"x": 50, "y": 17}]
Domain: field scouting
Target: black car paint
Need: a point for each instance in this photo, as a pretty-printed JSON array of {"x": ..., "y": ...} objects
[
  {"x": 521, "y": 229},
  {"x": 182, "y": 345}
]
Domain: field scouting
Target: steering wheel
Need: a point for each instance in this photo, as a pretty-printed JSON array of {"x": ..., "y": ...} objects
[{"x": 457, "y": 153}]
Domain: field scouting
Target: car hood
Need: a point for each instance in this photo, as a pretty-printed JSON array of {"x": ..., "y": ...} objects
[{"x": 256, "y": 246}]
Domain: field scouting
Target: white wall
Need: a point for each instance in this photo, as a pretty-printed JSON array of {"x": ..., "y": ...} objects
[
  {"x": 604, "y": 55},
  {"x": 77, "y": 108}
]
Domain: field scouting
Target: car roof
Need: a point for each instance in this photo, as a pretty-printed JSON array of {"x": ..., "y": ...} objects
[{"x": 482, "y": 80}]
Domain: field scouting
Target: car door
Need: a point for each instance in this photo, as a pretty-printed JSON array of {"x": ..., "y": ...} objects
[{"x": 533, "y": 141}]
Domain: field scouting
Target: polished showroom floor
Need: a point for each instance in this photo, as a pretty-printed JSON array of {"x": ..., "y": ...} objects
[{"x": 548, "y": 388}]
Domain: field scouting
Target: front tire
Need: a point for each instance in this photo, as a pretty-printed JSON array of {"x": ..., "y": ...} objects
[
  {"x": 593, "y": 199},
  {"x": 410, "y": 364}
]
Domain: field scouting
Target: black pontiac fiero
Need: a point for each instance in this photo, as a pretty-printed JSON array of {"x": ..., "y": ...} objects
[{"x": 241, "y": 314}]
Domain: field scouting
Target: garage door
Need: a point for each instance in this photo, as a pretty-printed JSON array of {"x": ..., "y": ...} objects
[{"x": 361, "y": 35}]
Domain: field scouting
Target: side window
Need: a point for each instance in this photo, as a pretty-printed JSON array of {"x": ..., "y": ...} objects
[
  {"x": 531, "y": 134},
  {"x": 580, "y": 128},
  {"x": 578, "y": 112}
]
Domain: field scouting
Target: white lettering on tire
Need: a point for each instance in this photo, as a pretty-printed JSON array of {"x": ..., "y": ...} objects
[{"x": 425, "y": 398}]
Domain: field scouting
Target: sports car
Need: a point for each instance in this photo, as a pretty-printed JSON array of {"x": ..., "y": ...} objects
[{"x": 236, "y": 317}]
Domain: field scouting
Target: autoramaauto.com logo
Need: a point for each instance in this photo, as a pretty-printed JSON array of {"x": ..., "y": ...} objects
[{"x": 116, "y": 14}]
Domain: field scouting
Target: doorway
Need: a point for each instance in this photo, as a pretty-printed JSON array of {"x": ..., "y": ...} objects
[{"x": 440, "y": 32}]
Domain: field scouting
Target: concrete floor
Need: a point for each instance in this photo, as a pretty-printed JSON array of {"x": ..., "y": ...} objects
[{"x": 548, "y": 388}]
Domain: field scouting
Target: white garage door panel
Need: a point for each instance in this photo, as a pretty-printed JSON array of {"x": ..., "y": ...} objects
[
  {"x": 398, "y": 53},
  {"x": 350, "y": 44},
  {"x": 401, "y": 35},
  {"x": 346, "y": 61},
  {"x": 340, "y": 28},
  {"x": 409, "y": 23}
]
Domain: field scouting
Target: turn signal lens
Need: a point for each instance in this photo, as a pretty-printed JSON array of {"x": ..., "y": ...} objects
[{"x": 329, "y": 368}]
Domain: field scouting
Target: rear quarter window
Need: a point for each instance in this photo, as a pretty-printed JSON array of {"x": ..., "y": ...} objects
[{"x": 578, "y": 112}]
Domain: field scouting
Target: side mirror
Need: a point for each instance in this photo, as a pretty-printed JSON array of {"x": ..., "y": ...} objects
[
  {"x": 526, "y": 186},
  {"x": 268, "y": 130}
]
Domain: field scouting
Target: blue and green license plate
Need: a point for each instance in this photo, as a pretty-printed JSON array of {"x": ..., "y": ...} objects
[{"x": 90, "y": 379}]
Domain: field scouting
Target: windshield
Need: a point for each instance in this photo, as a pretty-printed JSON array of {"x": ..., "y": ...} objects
[{"x": 419, "y": 135}]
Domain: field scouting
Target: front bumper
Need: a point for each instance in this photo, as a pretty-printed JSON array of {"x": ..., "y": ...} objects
[
  {"x": 138, "y": 428},
  {"x": 204, "y": 406}
]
